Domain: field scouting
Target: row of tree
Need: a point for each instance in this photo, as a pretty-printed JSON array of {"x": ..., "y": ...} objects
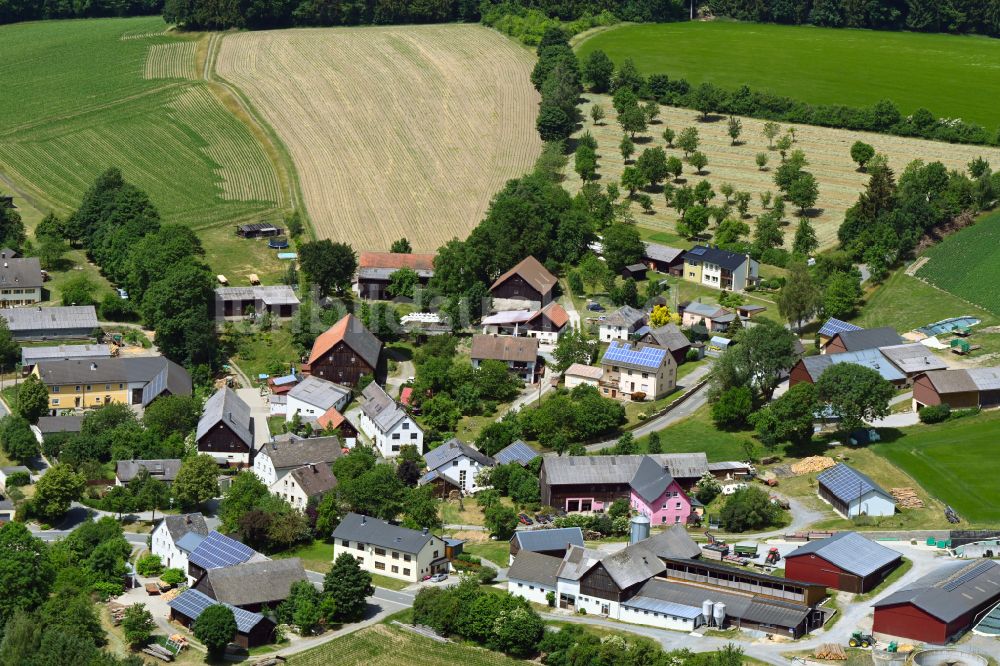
[
  {"x": 957, "y": 16},
  {"x": 13, "y": 11}
]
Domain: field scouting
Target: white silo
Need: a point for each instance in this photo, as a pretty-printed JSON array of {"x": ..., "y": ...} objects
[
  {"x": 719, "y": 614},
  {"x": 706, "y": 611},
  {"x": 639, "y": 529}
]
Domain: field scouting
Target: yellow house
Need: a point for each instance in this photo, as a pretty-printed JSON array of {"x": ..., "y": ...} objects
[{"x": 93, "y": 383}]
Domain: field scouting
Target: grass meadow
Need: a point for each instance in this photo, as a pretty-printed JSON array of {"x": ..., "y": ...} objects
[
  {"x": 956, "y": 462},
  {"x": 93, "y": 94},
  {"x": 965, "y": 264},
  {"x": 952, "y": 76}
]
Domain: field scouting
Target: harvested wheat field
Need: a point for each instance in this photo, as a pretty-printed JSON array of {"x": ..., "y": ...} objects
[
  {"x": 395, "y": 131},
  {"x": 827, "y": 151}
]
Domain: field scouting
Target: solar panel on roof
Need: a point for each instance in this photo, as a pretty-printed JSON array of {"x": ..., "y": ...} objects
[
  {"x": 834, "y": 326},
  {"x": 974, "y": 572},
  {"x": 517, "y": 452},
  {"x": 697, "y": 251},
  {"x": 192, "y": 603},
  {"x": 217, "y": 551}
]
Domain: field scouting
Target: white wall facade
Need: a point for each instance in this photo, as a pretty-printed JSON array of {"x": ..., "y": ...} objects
[
  {"x": 609, "y": 333},
  {"x": 547, "y": 337},
  {"x": 308, "y": 411},
  {"x": 406, "y": 431},
  {"x": 872, "y": 504},
  {"x": 659, "y": 620},
  {"x": 289, "y": 489},
  {"x": 162, "y": 544},
  {"x": 264, "y": 469},
  {"x": 462, "y": 471},
  {"x": 573, "y": 381},
  {"x": 393, "y": 563},
  {"x": 530, "y": 590}
]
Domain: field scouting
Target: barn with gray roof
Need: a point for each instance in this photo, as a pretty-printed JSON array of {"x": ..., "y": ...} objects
[{"x": 846, "y": 561}]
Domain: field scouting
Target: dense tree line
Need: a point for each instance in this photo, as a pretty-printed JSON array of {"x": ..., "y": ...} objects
[
  {"x": 957, "y": 16},
  {"x": 160, "y": 265},
  {"x": 13, "y": 11}
]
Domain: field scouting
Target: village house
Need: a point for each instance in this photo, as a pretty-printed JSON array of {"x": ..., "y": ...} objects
[
  {"x": 226, "y": 429},
  {"x": 554, "y": 542},
  {"x": 216, "y": 551},
  {"x": 547, "y": 324},
  {"x": 307, "y": 483},
  {"x": 20, "y": 282},
  {"x": 668, "y": 336},
  {"x": 252, "y": 629},
  {"x": 721, "y": 269},
  {"x": 58, "y": 322},
  {"x": 664, "y": 259},
  {"x": 252, "y": 585},
  {"x": 861, "y": 340},
  {"x": 345, "y": 352},
  {"x": 643, "y": 372},
  {"x": 390, "y": 550},
  {"x": 279, "y": 301},
  {"x": 656, "y": 495},
  {"x": 845, "y": 561},
  {"x": 592, "y": 483},
  {"x": 852, "y": 493},
  {"x": 578, "y": 373},
  {"x": 456, "y": 464},
  {"x": 164, "y": 470},
  {"x": 715, "y": 318},
  {"x": 811, "y": 368},
  {"x": 32, "y": 356},
  {"x": 131, "y": 380},
  {"x": 313, "y": 398},
  {"x": 621, "y": 324},
  {"x": 387, "y": 424},
  {"x": 959, "y": 389},
  {"x": 168, "y": 539},
  {"x": 375, "y": 271},
  {"x": 520, "y": 355},
  {"x": 528, "y": 286},
  {"x": 286, "y": 453}
]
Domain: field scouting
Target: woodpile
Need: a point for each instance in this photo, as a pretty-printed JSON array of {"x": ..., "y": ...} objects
[
  {"x": 906, "y": 498},
  {"x": 117, "y": 613},
  {"x": 831, "y": 651},
  {"x": 158, "y": 651},
  {"x": 812, "y": 464}
]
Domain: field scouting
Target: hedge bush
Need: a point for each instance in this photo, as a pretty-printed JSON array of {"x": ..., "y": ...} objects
[{"x": 935, "y": 413}]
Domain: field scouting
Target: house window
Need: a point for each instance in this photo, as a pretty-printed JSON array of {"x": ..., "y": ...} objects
[
  {"x": 406, "y": 425},
  {"x": 645, "y": 375},
  {"x": 395, "y": 569},
  {"x": 395, "y": 435},
  {"x": 461, "y": 478},
  {"x": 380, "y": 552},
  {"x": 406, "y": 558},
  {"x": 454, "y": 463},
  {"x": 677, "y": 505},
  {"x": 360, "y": 546},
  {"x": 395, "y": 555},
  {"x": 664, "y": 506},
  {"x": 88, "y": 387},
  {"x": 107, "y": 387},
  {"x": 380, "y": 566},
  {"x": 395, "y": 447},
  {"x": 413, "y": 435},
  {"x": 55, "y": 389},
  {"x": 121, "y": 386},
  {"x": 77, "y": 389},
  {"x": 406, "y": 572},
  {"x": 55, "y": 401},
  {"x": 435, "y": 554}
]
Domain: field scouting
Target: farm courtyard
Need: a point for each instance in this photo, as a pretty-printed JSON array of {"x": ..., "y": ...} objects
[{"x": 394, "y": 131}]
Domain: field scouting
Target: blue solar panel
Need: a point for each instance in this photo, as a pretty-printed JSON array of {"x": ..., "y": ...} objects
[
  {"x": 647, "y": 357},
  {"x": 834, "y": 326},
  {"x": 974, "y": 572},
  {"x": 192, "y": 603},
  {"x": 698, "y": 251},
  {"x": 847, "y": 483},
  {"x": 518, "y": 452},
  {"x": 217, "y": 551}
]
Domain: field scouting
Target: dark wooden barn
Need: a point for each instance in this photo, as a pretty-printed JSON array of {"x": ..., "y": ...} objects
[{"x": 345, "y": 352}]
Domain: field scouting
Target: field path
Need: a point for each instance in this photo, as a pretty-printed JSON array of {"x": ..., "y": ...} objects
[{"x": 394, "y": 131}]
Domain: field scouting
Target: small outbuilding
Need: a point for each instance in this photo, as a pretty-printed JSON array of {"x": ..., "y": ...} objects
[
  {"x": 252, "y": 629},
  {"x": 635, "y": 271},
  {"x": 846, "y": 561},
  {"x": 852, "y": 493}
]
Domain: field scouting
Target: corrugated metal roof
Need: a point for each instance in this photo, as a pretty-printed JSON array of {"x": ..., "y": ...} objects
[
  {"x": 851, "y": 552},
  {"x": 32, "y": 355},
  {"x": 869, "y": 358},
  {"x": 554, "y": 539},
  {"x": 666, "y": 607},
  {"x": 508, "y": 317},
  {"x": 50, "y": 319},
  {"x": 532, "y": 567},
  {"x": 664, "y": 253},
  {"x": 319, "y": 392},
  {"x": 619, "y": 469},
  {"x": 948, "y": 597},
  {"x": 985, "y": 379},
  {"x": 913, "y": 358},
  {"x": 848, "y": 484}
]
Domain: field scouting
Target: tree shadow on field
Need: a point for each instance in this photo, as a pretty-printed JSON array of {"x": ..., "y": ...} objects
[
  {"x": 643, "y": 139},
  {"x": 813, "y": 213},
  {"x": 710, "y": 118}
]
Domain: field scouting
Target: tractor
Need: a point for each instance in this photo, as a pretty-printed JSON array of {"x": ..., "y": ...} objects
[
  {"x": 773, "y": 556},
  {"x": 861, "y": 639}
]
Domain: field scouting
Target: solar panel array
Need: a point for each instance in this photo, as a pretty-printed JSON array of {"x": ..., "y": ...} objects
[
  {"x": 834, "y": 326},
  {"x": 698, "y": 251},
  {"x": 518, "y": 452},
  {"x": 218, "y": 550},
  {"x": 847, "y": 483},
  {"x": 192, "y": 603},
  {"x": 973, "y": 572},
  {"x": 647, "y": 357}
]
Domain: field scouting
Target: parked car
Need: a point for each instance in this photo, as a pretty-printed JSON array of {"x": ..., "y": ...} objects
[
  {"x": 437, "y": 578},
  {"x": 595, "y": 307},
  {"x": 525, "y": 520}
]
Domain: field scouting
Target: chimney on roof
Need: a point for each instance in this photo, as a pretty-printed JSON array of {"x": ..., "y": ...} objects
[
  {"x": 364, "y": 518},
  {"x": 93, "y": 366},
  {"x": 425, "y": 531},
  {"x": 312, "y": 467}
]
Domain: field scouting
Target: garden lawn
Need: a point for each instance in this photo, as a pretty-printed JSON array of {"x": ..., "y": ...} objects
[
  {"x": 949, "y": 75},
  {"x": 317, "y": 556},
  {"x": 955, "y": 462},
  {"x": 497, "y": 552},
  {"x": 259, "y": 352},
  {"x": 697, "y": 433}
]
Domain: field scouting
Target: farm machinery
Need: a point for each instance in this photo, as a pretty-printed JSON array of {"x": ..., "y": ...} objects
[{"x": 861, "y": 639}]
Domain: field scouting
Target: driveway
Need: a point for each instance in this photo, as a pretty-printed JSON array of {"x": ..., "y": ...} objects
[{"x": 260, "y": 410}]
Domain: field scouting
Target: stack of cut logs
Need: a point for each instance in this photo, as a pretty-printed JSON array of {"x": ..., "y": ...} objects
[
  {"x": 831, "y": 652},
  {"x": 907, "y": 498}
]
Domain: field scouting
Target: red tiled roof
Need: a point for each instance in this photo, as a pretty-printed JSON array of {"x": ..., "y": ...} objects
[
  {"x": 350, "y": 330},
  {"x": 396, "y": 260},
  {"x": 555, "y": 312},
  {"x": 406, "y": 395},
  {"x": 331, "y": 418}
]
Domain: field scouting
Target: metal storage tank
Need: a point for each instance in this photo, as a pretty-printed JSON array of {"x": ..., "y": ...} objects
[
  {"x": 719, "y": 613},
  {"x": 706, "y": 611},
  {"x": 639, "y": 529}
]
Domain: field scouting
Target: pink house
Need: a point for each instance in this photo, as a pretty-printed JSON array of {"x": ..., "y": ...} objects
[{"x": 657, "y": 495}]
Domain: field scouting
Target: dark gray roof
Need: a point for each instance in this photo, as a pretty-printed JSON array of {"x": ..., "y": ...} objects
[
  {"x": 672, "y": 543},
  {"x": 625, "y": 316},
  {"x": 20, "y": 273},
  {"x": 577, "y": 561},
  {"x": 650, "y": 479},
  {"x": 315, "y": 479},
  {"x": 226, "y": 406},
  {"x": 297, "y": 451},
  {"x": 163, "y": 470},
  {"x": 556, "y": 539},
  {"x": 743, "y": 606},
  {"x": 50, "y": 319},
  {"x": 619, "y": 469},
  {"x": 517, "y": 451},
  {"x": 869, "y": 338},
  {"x": 633, "y": 564},
  {"x": 382, "y": 409},
  {"x": 32, "y": 355},
  {"x": 713, "y": 255},
  {"x": 670, "y": 337},
  {"x": 848, "y": 484},
  {"x": 264, "y": 582},
  {"x": 849, "y": 551},
  {"x": 957, "y": 592},
  {"x": 180, "y": 525},
  {"x": 50, "y": 424},
  {"x": 663, "y": 253},
  {"x": 532, "y": 567},
  {"x": 365, "y": 529},
  {"x": 319, "y": 392},
  {"x": 127, "y": 369},
  {"x": 453, "y": 448}
]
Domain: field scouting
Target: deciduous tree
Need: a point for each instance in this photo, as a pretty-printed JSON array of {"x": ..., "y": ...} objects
[
  {"x": 197, "y": 481},
  {"x": 348, "y": 586},
  {"x": 329, "y": 266},
  {"x": 799, "y": 298},
  {"x": 855, "y": 393},
  {"x": 215, "y": 627},
  {"x": 55, "y": 490}
]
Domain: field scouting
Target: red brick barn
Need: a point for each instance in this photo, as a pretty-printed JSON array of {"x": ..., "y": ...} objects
[
  {"x": 845, "y": 561},
  {"x": 942, "y": 606}
]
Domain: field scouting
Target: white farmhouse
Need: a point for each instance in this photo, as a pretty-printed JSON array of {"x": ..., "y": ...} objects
[
  {"x": 276, "y": 459},
  {"x": 387, "y": 424},
  {"x": 313, "y": 398},
  {"x": 621, "y": 324},
  {"x": 456, "y": 463},
  {"x": 390, "y": 550},
  {"x": 175, "y": 537}
]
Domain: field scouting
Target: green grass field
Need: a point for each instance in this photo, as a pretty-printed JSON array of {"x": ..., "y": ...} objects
[
  {"x": 949, "y": 75},
  {"x": 83, "y": 96},
  {"x": 965, "y": 263},
  {"x": 385, "y": 645},
  {"x": 697, "y": 433},
  {"x": 955, "y": 462}
]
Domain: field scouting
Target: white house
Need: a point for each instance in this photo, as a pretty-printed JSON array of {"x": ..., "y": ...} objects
[
  {"x": 387, "y": 424},
  {"x": 285, "y": 453},
  {"x": 457, "y": 463},
  {"x": 533, "y": 576},
  {"x": 304, "y": 483},
  {"x": 175, "y": 537},
  {"x": 578, "y": 373},
  {"x": 642, "y": 369},
  {"x": 390, "y": 550},
  {"x": 621, "y": 323},
  {"x": 313, "y": 397}
]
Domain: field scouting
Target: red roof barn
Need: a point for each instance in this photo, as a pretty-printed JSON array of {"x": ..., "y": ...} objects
[{"x": 845, "y": 561}]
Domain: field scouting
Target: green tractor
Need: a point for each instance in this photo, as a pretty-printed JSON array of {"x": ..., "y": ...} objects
[{"x": 861, "y": 639}]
